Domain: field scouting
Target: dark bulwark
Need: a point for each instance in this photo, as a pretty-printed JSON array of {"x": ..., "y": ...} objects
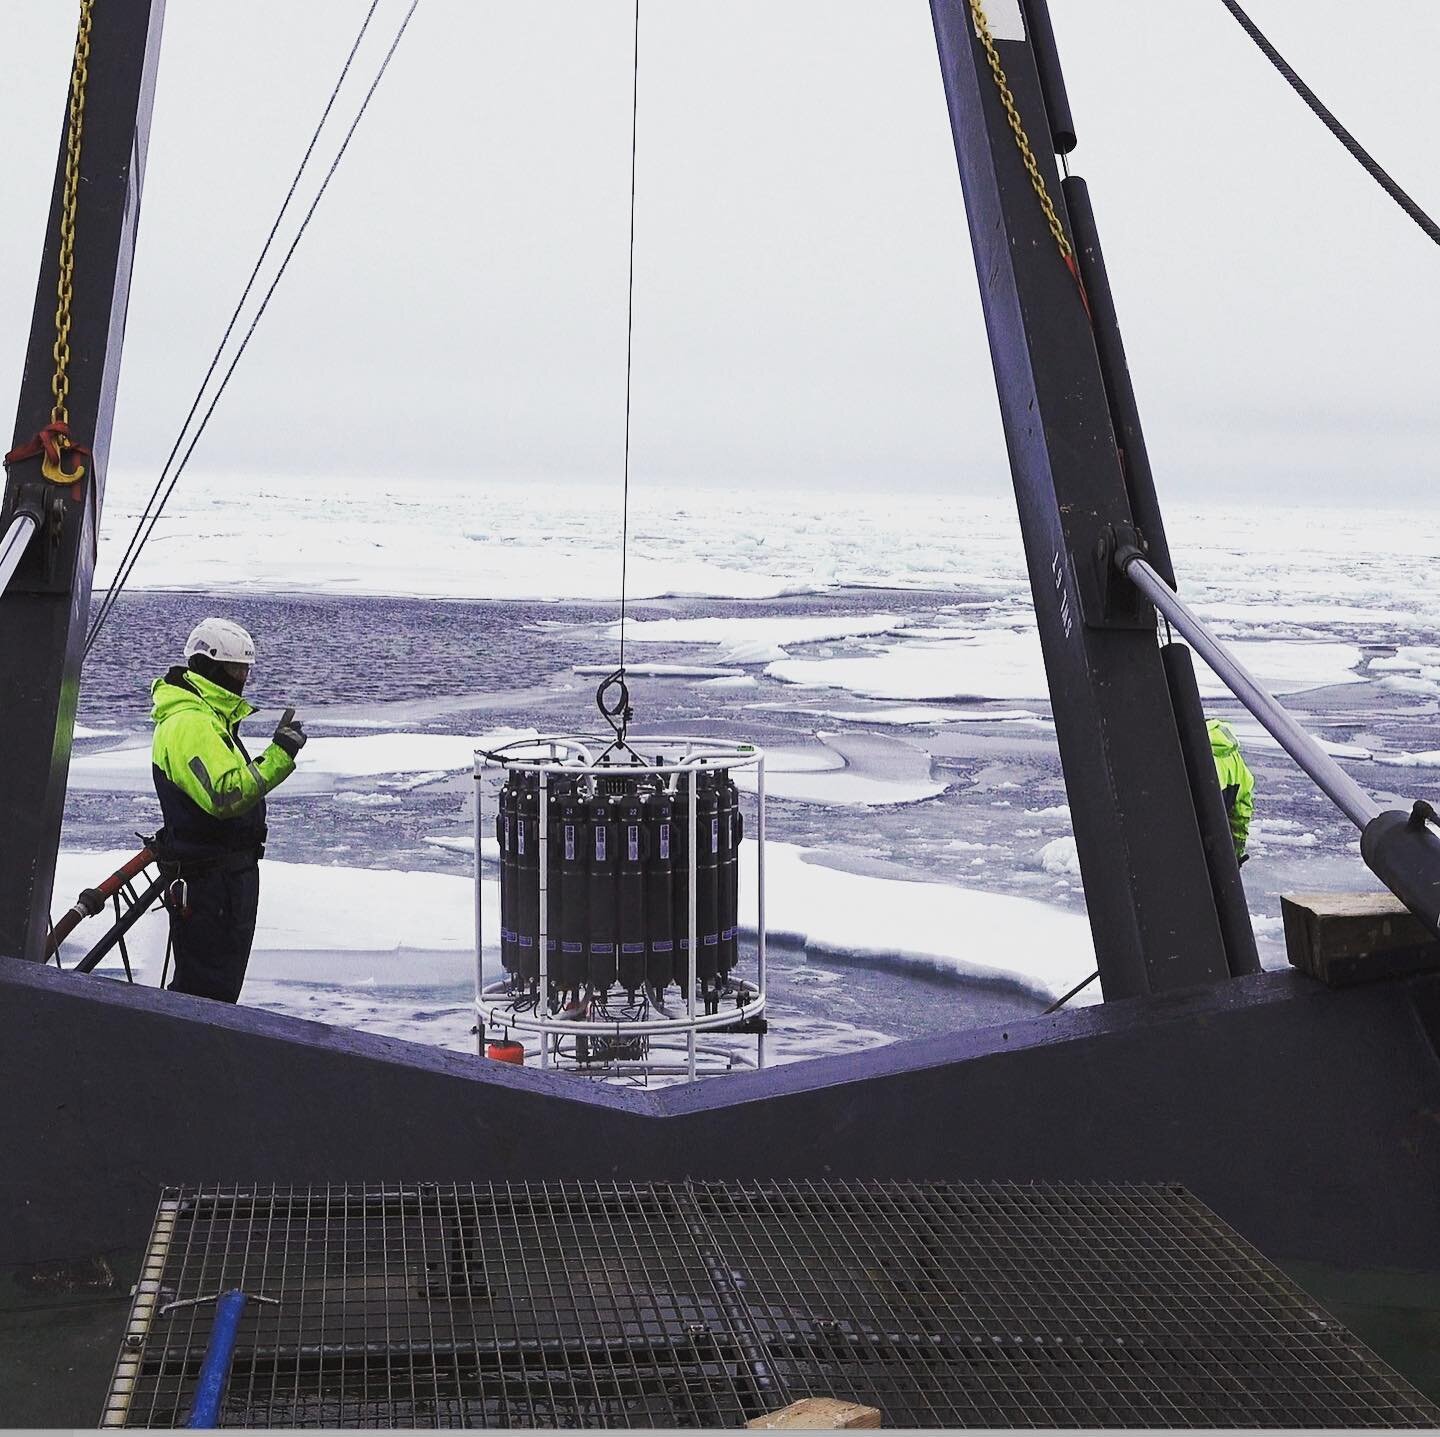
[{"x": 1306, "y": 1118}]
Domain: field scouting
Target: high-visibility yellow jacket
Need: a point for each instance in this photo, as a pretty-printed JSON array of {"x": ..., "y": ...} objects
[
  {"x": 211, "y": 791},
  {"x": 1237, "y": 783}
]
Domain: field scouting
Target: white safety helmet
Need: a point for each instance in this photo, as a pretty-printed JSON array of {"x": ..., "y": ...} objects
[{"x": 222, "y": 641}]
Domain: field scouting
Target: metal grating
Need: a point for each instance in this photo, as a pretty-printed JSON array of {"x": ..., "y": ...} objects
[{"x": 707, "y": 1304}]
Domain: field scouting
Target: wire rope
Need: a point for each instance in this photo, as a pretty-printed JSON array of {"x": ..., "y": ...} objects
[
  {"x": 629, "y": 338},
  {"x": 115, "y": 584},
  {"x": 1366, "y": 160},
  {"x": 123, "y": 576}
]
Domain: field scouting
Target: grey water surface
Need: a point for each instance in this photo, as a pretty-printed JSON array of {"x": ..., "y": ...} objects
[{"x": 355, "y": 665}]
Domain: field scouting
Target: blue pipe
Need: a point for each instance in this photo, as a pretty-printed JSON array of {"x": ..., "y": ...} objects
[{"x": 215, "y": 1369}]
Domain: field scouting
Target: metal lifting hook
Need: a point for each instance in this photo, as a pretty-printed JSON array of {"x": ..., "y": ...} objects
[
  {"x": 49, "y": 446},
  {"x": 52, "y": 464},
  {"x": 618, "y": 714}
]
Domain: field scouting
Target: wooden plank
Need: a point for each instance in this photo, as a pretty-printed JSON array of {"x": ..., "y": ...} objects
[
  {"x": 818, "y": 1414},
  {"x": 1345, "y": 938}
]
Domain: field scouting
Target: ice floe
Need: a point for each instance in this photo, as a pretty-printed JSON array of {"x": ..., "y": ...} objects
[
  {"x": 976, "y": 664},
  {"x": 770, "y": 630},
  {"x": 864, "y": 770},
  {"x": 1060, "y": 856},
  {"x": 347, "y": 927},
  {"x": 427, "y": 756}
]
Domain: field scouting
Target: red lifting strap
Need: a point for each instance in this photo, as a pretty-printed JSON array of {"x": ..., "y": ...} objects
[{"x": 47, "y": 443}]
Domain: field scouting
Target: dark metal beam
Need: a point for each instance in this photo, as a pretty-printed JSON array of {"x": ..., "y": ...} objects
[
  {"x": 44, "y": 609},
  {"x": 1146, "y": 886}
]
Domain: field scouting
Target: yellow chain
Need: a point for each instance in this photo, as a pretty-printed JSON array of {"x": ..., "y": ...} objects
[
  {"x": 1037, "y": 180},
  {"x": 60, "y": 384}
]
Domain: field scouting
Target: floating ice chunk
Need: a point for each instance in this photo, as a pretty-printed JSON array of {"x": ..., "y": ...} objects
[
  {"x": 1060, "y": 856},
  {"x": 430, "y": 756},
  {"x": 997, "y": 664},
  {"x": 907, "y": 717},
  {"x": 1247, "y": 617},
  {"x": 988, "y": 937},
  {"x": 732, "y": 681},
  {"x": 661, "y": 671},
  {"x": 316, "y": 920},
  {"x": 417, "y": 780},
  {"x": 1251, "y": 735},
  {"x": 750, "y": 651},
  {"x": 82, "y": 731},
  {"x": 910, "y": 715},
  {"x": 364, "y": 755},
  {"x": 1407, "y": 684},
  {"x": 782, "y": 760},
  {"x": 850, "y": 770},
  {"x": 1287, "y": 666},
  {"x": 1430, "y": 758},
  {"x": 1414, "y": 658},
  {"x": 340, "y": 910},
  {"x": 763, "y": 631}
]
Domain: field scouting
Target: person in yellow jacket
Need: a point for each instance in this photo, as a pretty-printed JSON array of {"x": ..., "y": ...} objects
[
  {"x": 212, "y": 794},
  {"x": 1237, "y": 783}
]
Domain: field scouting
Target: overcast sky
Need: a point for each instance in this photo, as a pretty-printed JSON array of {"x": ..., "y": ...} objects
[{"x": 805, "y": 299}]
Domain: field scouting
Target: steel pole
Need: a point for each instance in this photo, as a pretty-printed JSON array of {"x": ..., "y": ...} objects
[
  {"x": 13, "y": 546},
  {"x": 480, "y": 766},
  {"x": 694, "y": 861},
  {"x": 1335, "y": 783},
  {"x": 760, "y": 897}
]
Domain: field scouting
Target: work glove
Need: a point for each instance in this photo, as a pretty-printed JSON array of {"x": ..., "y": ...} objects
[{"x": 290, "y": 736}]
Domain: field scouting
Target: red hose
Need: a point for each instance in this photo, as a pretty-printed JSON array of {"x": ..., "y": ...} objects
[{"x": 92, "y": 900}]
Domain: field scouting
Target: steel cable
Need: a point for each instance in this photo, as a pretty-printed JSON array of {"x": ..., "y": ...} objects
[
  {"x": 139, "y": 538},
  {"x": 629, "y": 339},
  {"x": 1366, "y": 160},
  {"x": 120, "y": 569}
]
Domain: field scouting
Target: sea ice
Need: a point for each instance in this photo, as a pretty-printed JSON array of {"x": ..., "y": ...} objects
[
  {"x": 865, "y": 770},
  {"x": 975, "y": 664},
  {"x": 335, "y": 926}
]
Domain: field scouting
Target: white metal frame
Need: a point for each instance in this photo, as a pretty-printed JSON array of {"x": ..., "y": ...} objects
[{"x": 573, "y": 756}]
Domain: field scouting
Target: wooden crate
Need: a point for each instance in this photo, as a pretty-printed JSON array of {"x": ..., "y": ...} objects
[{"x": 1346, "y": 938}]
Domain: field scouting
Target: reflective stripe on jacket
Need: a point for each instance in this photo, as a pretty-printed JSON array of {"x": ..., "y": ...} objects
[
  {"x": 211, "y": 790},
  {"x": 1237, "y": 783}
]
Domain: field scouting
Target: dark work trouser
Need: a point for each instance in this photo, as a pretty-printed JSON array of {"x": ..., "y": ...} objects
[{"x": 212, "y": 944}]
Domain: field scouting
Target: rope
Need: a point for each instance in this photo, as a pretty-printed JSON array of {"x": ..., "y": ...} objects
[
  {"x": 1367, "y": 162},
  {"x": 629, "y": 339},
  {"x": 122, "y": 578},
  {"x": 1061, "y": 1002},
  {"x": 120, "y": 569}
]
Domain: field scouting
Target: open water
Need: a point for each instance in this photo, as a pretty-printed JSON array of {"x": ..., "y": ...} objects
[{"x": 997, "y": 820}]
